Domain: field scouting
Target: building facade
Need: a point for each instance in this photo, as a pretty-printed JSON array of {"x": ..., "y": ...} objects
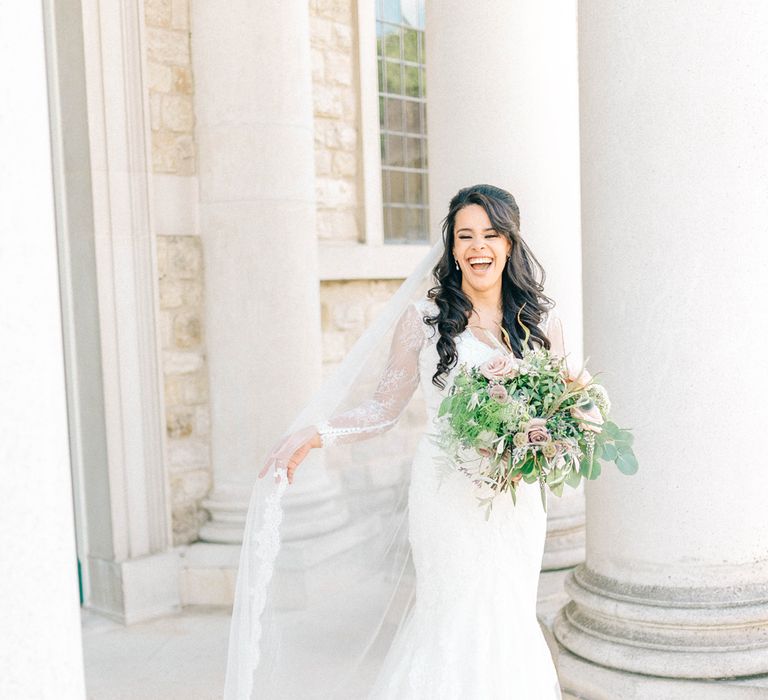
[{"x": 234, "y": 177}]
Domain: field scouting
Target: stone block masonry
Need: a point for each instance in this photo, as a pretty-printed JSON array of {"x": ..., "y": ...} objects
[
  {"x": 170, "y": 88},
  {"x": 169, "y": 79},
  {"x": 336, "y": 96},
  {"x": 348, "y": 308},
  {"x": 186, "y": 382}
]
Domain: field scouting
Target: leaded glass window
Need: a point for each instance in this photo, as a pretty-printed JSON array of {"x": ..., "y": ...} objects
[{"x": 402, "y": 119}]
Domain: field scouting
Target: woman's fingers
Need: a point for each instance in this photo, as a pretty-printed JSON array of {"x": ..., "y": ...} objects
[
  {"x": 296, "y": 459},
  {"x": 297, "y": 455},
  {"x": 289, "y": 452}
]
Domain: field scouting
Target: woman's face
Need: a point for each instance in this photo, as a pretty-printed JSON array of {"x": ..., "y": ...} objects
[{"x": 480, "y": 250}]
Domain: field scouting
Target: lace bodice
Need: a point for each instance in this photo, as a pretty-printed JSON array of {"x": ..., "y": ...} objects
[{"x": 412, "y": 360}]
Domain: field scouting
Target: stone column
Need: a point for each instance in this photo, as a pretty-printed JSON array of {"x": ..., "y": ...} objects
[
  {"x": 674, "y": 155},
  {"x": 254, "y": 130},
  {"x": 40, "y": 642},
  {"x": 503, "y": 110},
  {"x": 109, "y": 307}
]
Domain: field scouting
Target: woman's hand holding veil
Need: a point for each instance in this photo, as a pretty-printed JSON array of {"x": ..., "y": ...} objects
[{"x": 290, "y": 451}]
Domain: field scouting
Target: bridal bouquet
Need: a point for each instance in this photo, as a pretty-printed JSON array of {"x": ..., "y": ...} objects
[{"x": 528, "y": 417}]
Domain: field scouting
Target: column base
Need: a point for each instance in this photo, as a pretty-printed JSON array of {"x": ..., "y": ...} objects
[
  {"x": 135, "y": 590},
  {"x": 209, "y": 571},
  {"x": 693, "y": 633},
  {"x": 313, "y": 506},
  {"x": 583, "y": 680},
  {"x": 228, "y": 506}
]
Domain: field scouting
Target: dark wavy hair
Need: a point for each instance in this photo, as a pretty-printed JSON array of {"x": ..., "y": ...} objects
[{"x": 521, "y": 287}]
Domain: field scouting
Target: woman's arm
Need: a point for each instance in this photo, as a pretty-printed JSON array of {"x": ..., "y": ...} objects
[
  {"x": 395, "y": 388},
  {"x": 372, "y": 417}
]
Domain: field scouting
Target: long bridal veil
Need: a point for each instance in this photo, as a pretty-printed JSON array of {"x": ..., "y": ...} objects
[{"x": 325, "y": 577}]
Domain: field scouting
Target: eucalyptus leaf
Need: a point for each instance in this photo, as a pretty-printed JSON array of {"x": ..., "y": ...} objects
[
  {"x": 625, "y": 437},
  {"x": 590, "y": 470},
  {"x": 627, "y": 463}
]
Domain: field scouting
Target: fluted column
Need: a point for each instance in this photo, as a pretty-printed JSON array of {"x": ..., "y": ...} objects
[
  {"x": 257, "y": 219},
  {"x": 503, "y": 110},
  {"x": 674, "y": 153}
]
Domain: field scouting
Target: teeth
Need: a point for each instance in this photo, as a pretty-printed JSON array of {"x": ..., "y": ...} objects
[{"x": 473, "y": 261}]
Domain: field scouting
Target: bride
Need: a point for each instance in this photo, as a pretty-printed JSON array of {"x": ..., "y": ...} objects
[{"x": 402, "y": 589}]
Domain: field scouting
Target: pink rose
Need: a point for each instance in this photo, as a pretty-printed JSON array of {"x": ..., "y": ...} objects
[
  {"x": 536, "y": 430},
  {"x": 498, "y": 392},
  {"x": 500, "y": 367},
  {"x": 592, "y": 413}
]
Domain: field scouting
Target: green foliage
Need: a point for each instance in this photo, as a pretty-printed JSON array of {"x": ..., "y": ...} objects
[{"x": 488, "y": 427}]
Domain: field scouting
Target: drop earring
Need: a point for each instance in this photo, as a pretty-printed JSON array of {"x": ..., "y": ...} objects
[{"x": 456, "y": 262}]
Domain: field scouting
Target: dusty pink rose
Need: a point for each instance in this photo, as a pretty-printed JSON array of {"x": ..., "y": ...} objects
[
  {"x": 536, "y": 430},
  {"x": 500, "y": 367},
  {"x": 592, "y": 414},
  {"x": 498, "y": 392}
]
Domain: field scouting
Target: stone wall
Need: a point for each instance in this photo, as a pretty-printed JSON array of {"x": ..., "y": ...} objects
[
  {"x": 335, "y": 93},
  {"x": 186, "y": 381},
  {"x": 347, "y": 308},
  {"x": 180, "y": 269},
  {"x": 169, "y": 78}
]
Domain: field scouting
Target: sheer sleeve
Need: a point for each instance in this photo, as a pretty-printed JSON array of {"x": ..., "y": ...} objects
[{"x": 393, "y": 392}]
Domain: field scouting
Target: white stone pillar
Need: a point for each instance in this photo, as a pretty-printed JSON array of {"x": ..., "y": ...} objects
[
  {"x": 40, "y": 641},
  {"x": 503, "y": 110},
  {"x": 254, "y": 130},
  {"x": 110, "y": 309},
  {"x": 675, "y": 175}
]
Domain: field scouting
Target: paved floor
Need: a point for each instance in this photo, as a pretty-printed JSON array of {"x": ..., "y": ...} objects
[
  {"x": 172, "y": 658},
  {"x": 183, "y": 658}
]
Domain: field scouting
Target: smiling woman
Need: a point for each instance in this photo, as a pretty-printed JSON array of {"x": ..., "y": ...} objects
[
  {"x": 487, "y": 274},
  {"x": 415, "y": 593}
]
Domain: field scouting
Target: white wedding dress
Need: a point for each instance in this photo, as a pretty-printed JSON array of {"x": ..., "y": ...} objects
[{"x": 472, "y": 632}]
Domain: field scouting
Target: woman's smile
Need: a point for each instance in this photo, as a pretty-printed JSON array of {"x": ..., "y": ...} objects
[
  {"x": 480, "y": 263},
  {"x": 480, "y": 251}
]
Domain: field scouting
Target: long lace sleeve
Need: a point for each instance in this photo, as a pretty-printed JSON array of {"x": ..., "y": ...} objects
[{"x": 393, "y": 392}]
